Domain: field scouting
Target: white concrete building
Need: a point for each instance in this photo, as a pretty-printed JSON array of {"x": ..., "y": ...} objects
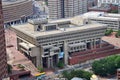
[
  {"x": 111, "y": 20},
  {"x": 66, "y": 8},
  {"x": 48, "y": 42},
  {"x": 108, "y": 2}
]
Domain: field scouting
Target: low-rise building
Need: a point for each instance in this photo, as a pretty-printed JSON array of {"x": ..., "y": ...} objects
[
  {"x": 48, "y": 42},
  {"x": 111, "y": 20}
]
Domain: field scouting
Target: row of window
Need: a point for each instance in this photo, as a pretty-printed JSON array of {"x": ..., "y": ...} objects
[{"x": 69, "y": 36}]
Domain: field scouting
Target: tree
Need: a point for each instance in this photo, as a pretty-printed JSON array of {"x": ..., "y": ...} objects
[
  {"x": 117, "y": 62},
  {"x": 77, "y": 73},
  {"x": 40, "y": 69},
  {"x": 118, "y": 33},
  {"x": 9, "y": 68},
  {"x": 108, "y": 32},
  {"x": 106, "y": 66},
  {"x": 60, "y": 64},
  {"x": 66, "y": 74},
  {"x": 114, "y": 11}
]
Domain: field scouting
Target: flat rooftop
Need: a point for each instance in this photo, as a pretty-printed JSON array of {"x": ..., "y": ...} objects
[
  {"x": 102, "y": 15},
  {"x": 27, "y": 29}
]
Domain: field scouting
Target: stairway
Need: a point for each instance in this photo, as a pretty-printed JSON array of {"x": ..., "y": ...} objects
[{"x": 30, "y": 67}]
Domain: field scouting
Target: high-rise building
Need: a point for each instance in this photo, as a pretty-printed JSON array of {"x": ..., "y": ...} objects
[
  {"x": 92, "y": 3},
  {"x": 66, "y": 8},
  {"x": 3, "y": 58}
]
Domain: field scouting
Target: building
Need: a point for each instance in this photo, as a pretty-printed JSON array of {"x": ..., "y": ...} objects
[
  {"x": 66, "y": 8},
  {"x": 112, "y": 20},
  {"x": 118, "y": 74},
  {"x": 110, "y": 8},
  {"x": 16, "y": 11},
  {"x": 116, "y": 2},
  {"x": 102, "y": 8},
  {"x": 3, "y": 57},
  {"x": 92, "y": 3},
  {"x": 48, "y": 42}
]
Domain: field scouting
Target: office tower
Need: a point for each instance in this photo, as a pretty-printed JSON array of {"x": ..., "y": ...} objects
[
  {"x": 55, "y": 9},
  {"x": 66, "y": 8},
  {"x": 92, "y": 3},
  {"x": 3, "y": 58}
]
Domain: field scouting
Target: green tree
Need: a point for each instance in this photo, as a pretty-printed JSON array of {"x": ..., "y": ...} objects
[
  {"x": 77, "y": 73},
  {"x": 60, "y": 64},
  {"x": 114, "y": 11},
  {"x": 118, "y": 33},
  {"x": 117, "y": 62},
  {"x": 9, "y": 68},
  {"x": 108, "y": 32},
  {"x": 107, "y": 66},
  {"x": 40, "y": 69}
]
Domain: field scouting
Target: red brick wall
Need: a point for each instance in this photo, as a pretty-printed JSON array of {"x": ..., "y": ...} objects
[
  {"x": 93, "y": 55},
  {"x": 3, "y": 57}
]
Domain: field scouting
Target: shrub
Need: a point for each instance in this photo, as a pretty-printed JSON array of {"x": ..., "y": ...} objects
[
  {"x": 40, "y": 69},
  {"x": 77, "y": 73},
  {"x": 108, "y": 32},
  {"x": 60, "y": 64},
  {"x": 118, "y": 33},
  {"x": 9, "y": 68}
]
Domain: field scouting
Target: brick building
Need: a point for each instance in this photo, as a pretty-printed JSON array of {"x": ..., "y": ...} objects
[{"x": 3, "y": 58}]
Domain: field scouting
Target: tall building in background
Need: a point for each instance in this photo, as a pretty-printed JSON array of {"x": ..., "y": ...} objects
[
  {"x": 66, "y": 8},
  {"x": 92, "y": 3},
  {"x": 55, "y": 8},
  {"x": 3, "y": 57}
]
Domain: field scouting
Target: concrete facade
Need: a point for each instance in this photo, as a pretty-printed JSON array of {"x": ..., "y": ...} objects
[
  {"x": 66, "y": 8},
  {"x": 47, "y": 43},
  {"x": 111, "y": 20},
  {"x": 16, "y": 11}
]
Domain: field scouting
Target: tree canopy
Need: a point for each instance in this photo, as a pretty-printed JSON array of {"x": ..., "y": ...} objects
[
  {"x": 77, "y": 73},
  {"x": 108, "y": 32},
  {"x": 106, "y": 66},
  {"x": 118, "y": 33}
]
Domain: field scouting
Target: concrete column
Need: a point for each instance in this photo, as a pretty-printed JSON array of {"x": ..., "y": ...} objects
[
  {"x": 94, "y": 44},
  {"x": 40, "y": 58},
  {"x": 100, "y": 43},
  {"x": 65, "y": 53},
  {"x": 91, "y": 45},
  {"x": 51, "y": 61},
  {"x": 48, "y": 64}
]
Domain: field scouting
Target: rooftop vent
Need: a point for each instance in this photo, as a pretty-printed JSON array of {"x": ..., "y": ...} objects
[{"x": 38, "y": 21}]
